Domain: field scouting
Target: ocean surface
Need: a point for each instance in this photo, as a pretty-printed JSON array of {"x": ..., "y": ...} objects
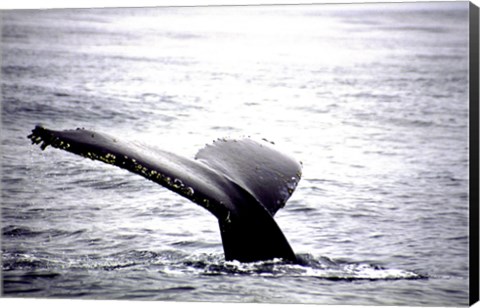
[{"x": 371, "y": 98}]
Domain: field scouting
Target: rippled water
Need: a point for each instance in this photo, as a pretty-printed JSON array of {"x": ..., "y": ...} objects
[{"x": 371, "y": 98}]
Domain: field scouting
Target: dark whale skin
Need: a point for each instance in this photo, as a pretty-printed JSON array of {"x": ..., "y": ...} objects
[{"x": 242, "y": 182}]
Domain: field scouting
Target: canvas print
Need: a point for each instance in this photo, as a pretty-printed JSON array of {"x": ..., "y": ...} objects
[{"x": 275, "y": 154}]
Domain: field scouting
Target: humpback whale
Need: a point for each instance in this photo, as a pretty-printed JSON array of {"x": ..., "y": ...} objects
[{"x": 243, "y": 183}]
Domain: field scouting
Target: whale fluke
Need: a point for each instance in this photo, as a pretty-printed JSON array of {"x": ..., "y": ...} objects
[{"x": 242, "y": 182}]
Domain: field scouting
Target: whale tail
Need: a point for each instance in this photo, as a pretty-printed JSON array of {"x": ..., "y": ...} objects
[{"x": 242, "y": 182}]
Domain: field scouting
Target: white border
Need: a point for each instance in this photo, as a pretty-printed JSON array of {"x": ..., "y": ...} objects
[{"x": 45, "y": 4}]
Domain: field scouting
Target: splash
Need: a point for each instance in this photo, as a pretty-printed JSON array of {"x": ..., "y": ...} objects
[
  {"x": 175, "y": 264},
  {"x": 309, "y": 266}
]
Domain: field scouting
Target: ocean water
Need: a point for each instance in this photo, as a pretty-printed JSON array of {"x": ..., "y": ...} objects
[{"x": 372, "y": 98}]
